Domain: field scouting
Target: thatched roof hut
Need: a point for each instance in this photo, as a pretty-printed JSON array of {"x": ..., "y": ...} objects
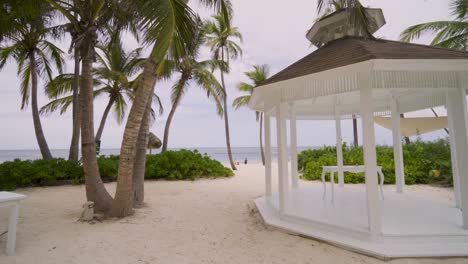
[{"x": 153, "y": 142}]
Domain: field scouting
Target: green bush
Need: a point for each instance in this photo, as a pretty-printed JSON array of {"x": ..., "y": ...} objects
[
  {"x": 38, "y": 172},
  {"x": 108, "y": 167},
  {"x": 423, "y": 162},
  {"x": 170, "y": 165},
  {"x": 183, "y": 165}
]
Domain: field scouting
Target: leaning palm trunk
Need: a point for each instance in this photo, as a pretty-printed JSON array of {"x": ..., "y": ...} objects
[
  {"x": 355, "y": 135},
  {"x": 123, "y": 201},
  {"x": 436, "y": 115},
  {"x": 407, "y": 139},
  {"x": 261, "y": 139},
  {"x": 169, "y": 119},
  {"x": 41, "y": 141},
  {"x": 95, "y": 190},
  {"x": 140, "y": 160},
  {"x": 74, "y": 145},
  {"x": 226, "y": 120},
  {"x": 103, "y": 120}
]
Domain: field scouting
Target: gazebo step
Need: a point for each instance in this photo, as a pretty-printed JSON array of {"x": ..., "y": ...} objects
[{"x": 361, "y": 241}]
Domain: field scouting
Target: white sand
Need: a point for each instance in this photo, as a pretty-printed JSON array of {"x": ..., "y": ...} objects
[{"x": 206, "y": 221}]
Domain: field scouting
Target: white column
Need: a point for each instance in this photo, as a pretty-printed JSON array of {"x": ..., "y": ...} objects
[
  {"x": 267, "y": 118},
  {"x": 293, "y": 135},
  {"x": 283, "y": 187},
  {"x": 453, "y": 154},
  {"x": 397, "y": 147},
  {"x": 370, "y": 161},
  {"x": 339, "y": 147},
  {"x": 456, "y": 102}
]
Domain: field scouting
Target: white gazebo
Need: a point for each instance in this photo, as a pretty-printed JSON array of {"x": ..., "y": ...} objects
[{"x": 354, "y": 75}]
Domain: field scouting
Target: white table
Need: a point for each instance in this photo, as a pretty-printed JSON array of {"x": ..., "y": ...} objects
[
  {"x": 353, "y": 169},
  {"x": 12, "y": 200}
]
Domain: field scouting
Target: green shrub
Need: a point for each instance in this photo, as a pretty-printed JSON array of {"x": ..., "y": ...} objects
[
  {"x": 183, "y": 165},
  {"x": 20, "y": 173},
  {"x": 170, "y": 165},
  {"x": 422, "y": 160},
  {"x": 108, "y": 167}
]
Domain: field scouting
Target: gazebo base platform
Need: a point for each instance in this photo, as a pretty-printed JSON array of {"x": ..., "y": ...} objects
[{"x": 411, "y": 226}]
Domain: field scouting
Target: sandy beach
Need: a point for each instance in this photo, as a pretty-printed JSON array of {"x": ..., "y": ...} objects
[{"x": 205, "y": 221}]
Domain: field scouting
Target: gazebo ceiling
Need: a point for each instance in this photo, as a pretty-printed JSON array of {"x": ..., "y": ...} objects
[
  {"x": 323, "y": 107},
  {"x": 332, "y": 76}
]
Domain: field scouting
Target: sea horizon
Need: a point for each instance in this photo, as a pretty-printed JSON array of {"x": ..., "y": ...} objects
[{"x": 252, "y": 154}]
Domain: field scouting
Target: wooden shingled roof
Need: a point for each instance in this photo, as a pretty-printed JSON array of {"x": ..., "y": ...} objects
[{"x": 350, "y": 50}]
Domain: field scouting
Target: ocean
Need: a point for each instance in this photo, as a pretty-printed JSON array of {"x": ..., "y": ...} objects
[{"x": 252, "y": 154}]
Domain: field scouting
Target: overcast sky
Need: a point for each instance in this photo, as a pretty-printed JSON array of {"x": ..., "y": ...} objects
[{"x": 274, "y": 34}]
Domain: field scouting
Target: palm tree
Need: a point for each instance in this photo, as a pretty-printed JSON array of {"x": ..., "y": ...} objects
[
  {"x": 258, "y": 75},
  {"x": 86, "y": 18},
  {"x": 220, "y": 35},
  {"x": 449, "y": 34},
  {"x": 200, "y": 72},
  {"x": 76, "y": 124},
  {"x": 168, "y": 25},
  {"x": 111, "y": 77},
  {"x": 29, "y": 46}
]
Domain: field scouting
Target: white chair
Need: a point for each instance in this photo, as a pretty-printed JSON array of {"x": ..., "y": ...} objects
[{"x": 353, "y": 169}]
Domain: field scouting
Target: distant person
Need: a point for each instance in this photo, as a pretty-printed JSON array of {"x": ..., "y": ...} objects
[{"x": 245, "y": 161}]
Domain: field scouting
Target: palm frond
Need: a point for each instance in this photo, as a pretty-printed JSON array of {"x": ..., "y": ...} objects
[
  {"x": 60, "y": 85},
  {"x": 222, "y": 7},
  {"x": 120, "y": 107},
  {"x": 445, "y": 30},
  {"x": 220, "y": 37},
  {"x": 8, "y": 52},
  {"x": 166, "y": 68},
  {"x": 59, "y": 103},
  {"x": 458, "y": 42},
  {"x": 178, "y": 89},
  {"x": 245, "y": 87},
  {"x": 159, "y": 104},
  {"x": 25, "y": 85},
  {"x": 241, "y": 101},
  {"x": 43, "y": 65},
  {"x": 206, "y": 80},
  {"x": 459, "y": 9},
  {"x": 215, "y": 65},
  {"x": 55, "y": 54},
  {"x": 169, "y": 23}
]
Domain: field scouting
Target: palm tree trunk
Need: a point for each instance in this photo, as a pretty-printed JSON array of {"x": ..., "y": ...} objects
[
  {"x": 140, "y": 160},
  {"x": 41, "y": 141},
  {"x": 261, "y": 139},
  {"x": 226, "y": 120},
  {"x": 75, "y": 140},
  {"x": 436, "y": 115},
  {"x": 355, "y": 143},
  {"x": 123, "y": 201},
  {"x": 103, "y": 119},
  {"x": 95, "y": 190},
  {"x": 407, "y": 140},
  {"x": 169, "y": 119}
]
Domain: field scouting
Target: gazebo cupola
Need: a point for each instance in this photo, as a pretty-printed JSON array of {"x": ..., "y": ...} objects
[{"x": 342, "y": 23}]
